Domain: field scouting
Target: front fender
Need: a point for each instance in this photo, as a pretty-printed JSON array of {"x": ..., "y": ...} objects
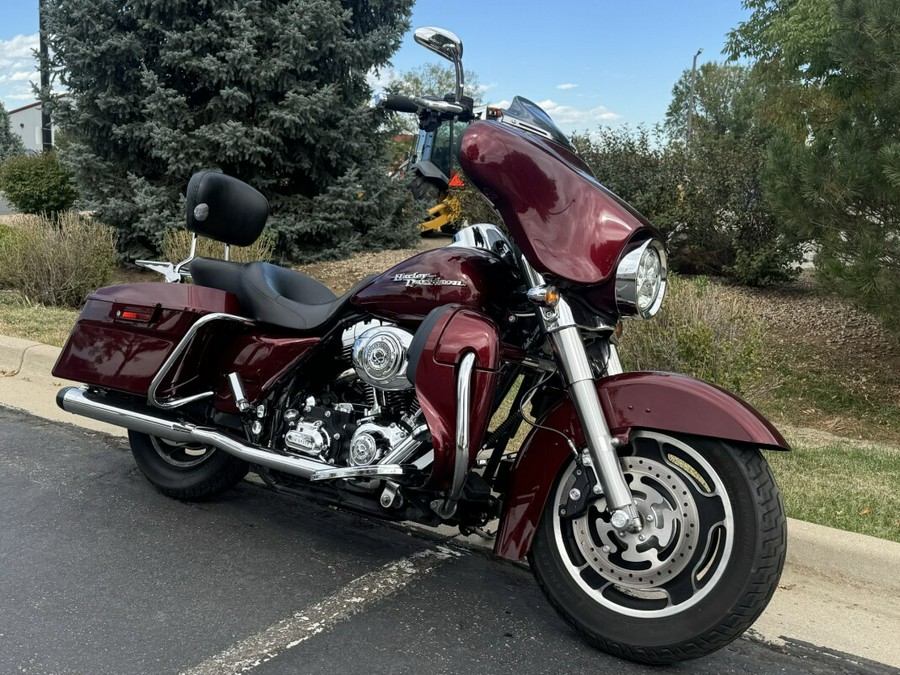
[{"x": 654, "y": 401}]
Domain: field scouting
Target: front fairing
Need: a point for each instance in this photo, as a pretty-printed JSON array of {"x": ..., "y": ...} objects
[{"x": 565, "y": 223}]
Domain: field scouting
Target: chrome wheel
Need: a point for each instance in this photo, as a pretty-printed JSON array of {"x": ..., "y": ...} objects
[
  {"x": 181, "y": 455},
  {"x": 699, "y": 573},
  {"x": 683, "y": 549}
]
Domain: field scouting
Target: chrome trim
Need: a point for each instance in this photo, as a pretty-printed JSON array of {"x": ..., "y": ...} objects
[
  {"x": 237, "y": 390},
  {"x": 483, "y": 236},
  {"x": 79, "y": 402},
  {"x": 173, "y": 273},
  {"x": 613, "y": 363},
  {"x": 447, "y": 507},
  {"x": 537, "y": 295},
  {"x": 368, "y": 471},
  {"x": 463, "y": 411},
  {"x": 167, "y": 269},
  {"x": 424, "y": 461},
  {"x": 405, "y": 448},
  {"x": 438, "y": 106},
  {"x": 626, "y": 280},
  {"x": 176, "y": 353},
  {"x": 391, "y": 347},
  {"x": 448, "y": 45}
]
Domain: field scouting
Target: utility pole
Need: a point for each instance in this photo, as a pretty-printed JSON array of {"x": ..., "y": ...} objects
[
  {"x": 46, "y": 122},
  {"x": 690, "y": 119}
]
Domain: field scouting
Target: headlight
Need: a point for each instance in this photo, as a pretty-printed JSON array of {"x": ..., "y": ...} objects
[{"x": 641, "y": 280}]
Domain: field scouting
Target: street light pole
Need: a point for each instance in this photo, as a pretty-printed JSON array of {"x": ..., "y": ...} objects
[
  {"x": 690, "y": 119},
  {"x": 46, "y": 122}
]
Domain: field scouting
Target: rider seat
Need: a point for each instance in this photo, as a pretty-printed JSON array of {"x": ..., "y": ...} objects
[{"x": 272, "y": 294}]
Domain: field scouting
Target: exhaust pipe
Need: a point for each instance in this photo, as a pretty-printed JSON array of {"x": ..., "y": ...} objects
[{"x": 145, "y": 420}]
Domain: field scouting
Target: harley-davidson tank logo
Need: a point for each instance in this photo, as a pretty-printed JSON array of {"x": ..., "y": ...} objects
[{"x": 425, "y": 279}]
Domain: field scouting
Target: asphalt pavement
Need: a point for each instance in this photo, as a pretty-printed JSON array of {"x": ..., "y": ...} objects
[{"x": 103, "y": 574}]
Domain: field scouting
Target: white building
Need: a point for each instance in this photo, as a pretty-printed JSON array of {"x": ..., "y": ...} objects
[{"x": 26, "y": 121}]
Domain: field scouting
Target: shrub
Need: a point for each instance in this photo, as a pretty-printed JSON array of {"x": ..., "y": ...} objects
[
  {"x": 704, "y": 331},
  {"x": 474, "y": 207},
  {"x": 37, "y": 184},
  {"x": 176, "y": 246},
  {"x": 59, "y": 261}
]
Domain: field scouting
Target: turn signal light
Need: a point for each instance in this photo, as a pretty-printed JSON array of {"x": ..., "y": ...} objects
[{"x": 544, "y": 296}]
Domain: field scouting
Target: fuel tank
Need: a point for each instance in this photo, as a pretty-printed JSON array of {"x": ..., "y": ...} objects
[{"x": 459, "y": 275}]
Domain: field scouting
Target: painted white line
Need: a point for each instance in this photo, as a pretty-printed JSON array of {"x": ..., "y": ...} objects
[{"x": 344, "y": 603}]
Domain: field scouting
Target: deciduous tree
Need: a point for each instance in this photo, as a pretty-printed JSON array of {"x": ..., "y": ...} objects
[{"x": 833, "y": 81}]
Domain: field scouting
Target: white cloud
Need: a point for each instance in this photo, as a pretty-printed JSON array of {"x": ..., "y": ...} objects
[
  {"x": 566, "y": 85},
  {"x": 379, "y": 79},
  {"x": 18, "y": 68},
  {"x": 571, "y": 117},
  {"x": 20, "y": 48}
]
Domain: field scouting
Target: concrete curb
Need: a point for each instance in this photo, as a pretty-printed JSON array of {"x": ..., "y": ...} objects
[
  {"x": 846, "y": 555},
  {"x": 825, "y": 550},
  {"x": 12, "y": 353}
]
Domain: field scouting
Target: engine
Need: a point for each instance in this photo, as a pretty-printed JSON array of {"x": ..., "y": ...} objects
[{"x": 369, "y": 409}]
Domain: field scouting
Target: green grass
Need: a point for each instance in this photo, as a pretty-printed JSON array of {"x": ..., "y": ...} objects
[
  {"x": 810, "y": 393},
  {"x": 848, "y": 486},
  {"x": 50, "y": 325}
]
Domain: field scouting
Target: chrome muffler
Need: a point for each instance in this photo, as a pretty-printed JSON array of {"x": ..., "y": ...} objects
[{"x": 137, "y": 417}]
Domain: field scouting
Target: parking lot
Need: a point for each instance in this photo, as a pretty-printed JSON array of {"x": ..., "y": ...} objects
[{"x": 102, "y": 574}]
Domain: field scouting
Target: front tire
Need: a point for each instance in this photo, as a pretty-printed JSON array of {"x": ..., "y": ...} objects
[
  {"x": 698, "y": 575},
  {"x": 185, "y": 471}
]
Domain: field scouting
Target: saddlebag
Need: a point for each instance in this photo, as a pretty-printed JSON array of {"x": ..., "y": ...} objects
[{"x": 125, "y": 333}]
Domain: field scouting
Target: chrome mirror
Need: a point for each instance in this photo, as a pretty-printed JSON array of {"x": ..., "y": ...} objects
[
  {"x": 444, "y": 43},
  {"x": 441, "y": 42}
]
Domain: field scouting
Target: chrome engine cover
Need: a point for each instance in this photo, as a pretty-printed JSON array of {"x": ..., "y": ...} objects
[
  {"x": 308, "y": 438},
  {"x": 380, "y": 357},
  {"x": 372, "y": 441}
]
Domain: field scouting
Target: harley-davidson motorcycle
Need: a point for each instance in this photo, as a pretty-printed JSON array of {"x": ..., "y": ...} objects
[{"x": 641, "y": 499}]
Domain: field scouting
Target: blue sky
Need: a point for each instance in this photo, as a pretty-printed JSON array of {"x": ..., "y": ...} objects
[{"x": 588, "y": 62}]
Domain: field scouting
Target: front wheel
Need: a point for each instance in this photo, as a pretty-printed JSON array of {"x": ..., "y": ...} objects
[{"x": 698, "y": 575}]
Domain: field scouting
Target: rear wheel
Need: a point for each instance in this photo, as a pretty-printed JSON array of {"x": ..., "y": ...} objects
[
  {"x": 698, "y": 575},
  {"x": 191, "y": 472}
]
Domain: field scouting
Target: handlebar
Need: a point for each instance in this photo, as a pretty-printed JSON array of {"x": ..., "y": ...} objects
[
  {"x": 397, "y": 102},
  {"x": 412, "y": 104}
]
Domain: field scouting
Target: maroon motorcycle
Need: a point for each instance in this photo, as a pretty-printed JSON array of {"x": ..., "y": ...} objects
[{"x": 649, "y": 517}]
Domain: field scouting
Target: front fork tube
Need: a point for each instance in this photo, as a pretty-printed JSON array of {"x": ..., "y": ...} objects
[{"x": 600, "y": 454}]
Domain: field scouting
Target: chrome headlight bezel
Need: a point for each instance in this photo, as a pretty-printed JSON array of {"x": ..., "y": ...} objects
[{"x": 634, "y": 265}]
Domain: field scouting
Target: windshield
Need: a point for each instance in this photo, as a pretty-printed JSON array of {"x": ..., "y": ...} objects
[{"x": 528, "y": 115}]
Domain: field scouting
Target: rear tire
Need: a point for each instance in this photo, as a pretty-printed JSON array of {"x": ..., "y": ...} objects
[
  {"x": 184, "y": 471},
  {"x": 700, "y": 573}
]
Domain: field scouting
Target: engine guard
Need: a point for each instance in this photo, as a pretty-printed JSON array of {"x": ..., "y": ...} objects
[{"x": 643, "y": 400}]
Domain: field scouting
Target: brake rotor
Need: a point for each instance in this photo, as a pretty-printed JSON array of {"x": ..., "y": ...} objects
[{"x": 667, "y": 542}]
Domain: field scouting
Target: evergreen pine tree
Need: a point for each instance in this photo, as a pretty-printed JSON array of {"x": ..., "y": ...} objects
[
  {"x": 833, "y": 88},
  {"x": 271, "y": 91},
  {"x": 10, "y": 143}
]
